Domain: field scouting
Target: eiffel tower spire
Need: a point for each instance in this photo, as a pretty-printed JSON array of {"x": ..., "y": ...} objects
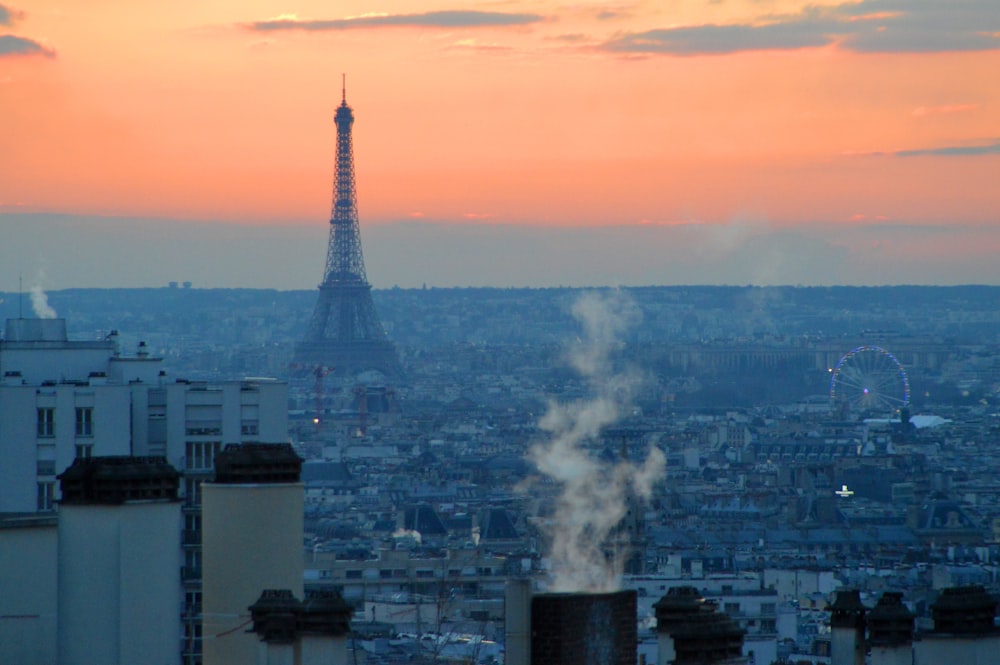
[{"x": 345, "y": 334}]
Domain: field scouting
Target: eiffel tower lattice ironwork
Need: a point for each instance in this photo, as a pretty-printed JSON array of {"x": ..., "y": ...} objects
[{"x": 345, "y": 334}]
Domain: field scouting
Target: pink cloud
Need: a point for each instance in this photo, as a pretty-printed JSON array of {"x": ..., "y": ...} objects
[
  {"x": 670, "y": 222},
  {"x": 861, "y": 217},
  {"x": 946, "y": 109}
]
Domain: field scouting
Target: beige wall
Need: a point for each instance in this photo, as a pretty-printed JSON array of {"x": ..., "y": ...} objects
[{"x": 251, "y": 541}]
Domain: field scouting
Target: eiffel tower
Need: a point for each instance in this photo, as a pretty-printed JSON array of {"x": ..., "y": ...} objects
[{"x": 345, "y": 335}]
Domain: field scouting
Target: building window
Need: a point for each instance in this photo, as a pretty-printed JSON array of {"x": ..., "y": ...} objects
[
  {"x": 46, "y": 422},
  {"x": 192, "y": 642},
  {"x": 84, "y": 450},
  {"x": 46, "y": 495},
  {"x": 192, "y": 529},
  {"x": 198, "y": 428},
  {"x": 352, "y": 574},
  {"x": 201, "y": 454},
  {"x": 192, "y": 491},
  {"x": 85, "y": 421},
  {"x": 46, "y": 467},
  {"x": 192, "y": 561},
  {"x": 192, "y": 602},
  {"x": 250, "y": 428}
]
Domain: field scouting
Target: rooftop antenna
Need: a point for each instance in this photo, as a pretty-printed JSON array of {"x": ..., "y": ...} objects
[{"x": 20, "y": 296}]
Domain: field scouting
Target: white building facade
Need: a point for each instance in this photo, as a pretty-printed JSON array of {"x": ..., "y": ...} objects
[{"x": 63, "y": 399}]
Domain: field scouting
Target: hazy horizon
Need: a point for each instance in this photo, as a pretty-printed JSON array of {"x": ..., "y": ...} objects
[{"x": 56, "y": 252}]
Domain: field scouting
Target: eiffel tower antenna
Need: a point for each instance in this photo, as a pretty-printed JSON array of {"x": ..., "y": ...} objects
[
  {"x": 343, "y": 88},
  {"x": 344, "y": 333}
]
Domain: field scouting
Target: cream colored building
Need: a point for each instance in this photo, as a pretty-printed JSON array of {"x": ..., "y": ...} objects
[{"x": 252, "y": 521}]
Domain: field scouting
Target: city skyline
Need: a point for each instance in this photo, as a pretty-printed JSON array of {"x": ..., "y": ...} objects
[{"x": 508, "y": 144}]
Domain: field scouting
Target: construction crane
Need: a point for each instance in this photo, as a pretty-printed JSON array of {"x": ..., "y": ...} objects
[{"x": 318, "y": 372}]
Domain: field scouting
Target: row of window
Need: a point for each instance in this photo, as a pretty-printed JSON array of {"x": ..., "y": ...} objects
[
  {"x": 247, "y": 428},
  {"x": 46, "y": 421},
  {"x": 389, "y": 573},
  {"x": 85, "y": 424}
]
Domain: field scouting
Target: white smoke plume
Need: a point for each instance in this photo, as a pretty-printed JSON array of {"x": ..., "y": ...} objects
[
  {"x": 594, "y": 496},
  {"x": 40, "y": 301}
]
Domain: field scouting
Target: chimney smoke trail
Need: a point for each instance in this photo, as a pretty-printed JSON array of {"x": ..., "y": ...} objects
[
  {"x": 40, "y": 301},
  {"x": 594, "y": 495}
]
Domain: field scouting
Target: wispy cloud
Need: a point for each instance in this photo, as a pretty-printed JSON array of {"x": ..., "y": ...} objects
[
  {"x": 953, "y": 150},
  {"x": 869, "y": 26},
  {"x": 476, "y": 45},
  {"x": 609, "y": 14},
  {"x": 670, "y": 222},
  {"x": 436, "y": 19},
  {"x": 8, "y": 15},
  {"x": 11, "y": 45},
  {"x": 946, "y": 109},
  {"x": 572, "y": 38},
  {"x": 719, "y": 39},
  {"x": 987, "y": 148},
  {"x": 862, "y": 217}
]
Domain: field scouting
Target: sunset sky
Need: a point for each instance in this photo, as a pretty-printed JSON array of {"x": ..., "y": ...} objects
[{"x": 515, "y": 142}]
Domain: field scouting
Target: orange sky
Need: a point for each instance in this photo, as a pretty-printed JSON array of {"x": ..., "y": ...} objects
[{"x": 506, "y": 111}]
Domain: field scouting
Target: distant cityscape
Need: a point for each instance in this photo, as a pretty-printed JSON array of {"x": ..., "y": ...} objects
[{"x": 804, "y": 447}]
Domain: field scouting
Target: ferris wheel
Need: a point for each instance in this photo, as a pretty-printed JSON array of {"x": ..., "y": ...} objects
[{"x": 869, "y": 379}]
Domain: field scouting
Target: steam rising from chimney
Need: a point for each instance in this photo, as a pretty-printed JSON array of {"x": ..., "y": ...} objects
[
  {"x": 40, "y": 301},
  {"x": 594, "y": 496}
]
